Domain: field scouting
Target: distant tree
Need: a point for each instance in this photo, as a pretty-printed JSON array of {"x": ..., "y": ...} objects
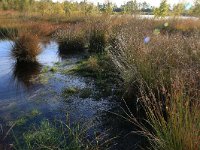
[
  {"x": 57, "y": 9},
  {"x": 44, "y": 7},
  {"x": 131, "y": 7},
  {"x": 107, "y": 7},
  {"x": 146, "y": 8},
  {"x": 67, "y": 8},
  {"x": 163, "y": 10},
  {"x": 5, "y": 4},
  {"x": 24, "y": 5},
  {"x": 178, "y": 9},
  {"x": 196, "y": 8}
]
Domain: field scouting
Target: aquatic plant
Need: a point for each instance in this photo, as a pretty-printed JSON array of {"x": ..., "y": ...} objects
[
  {"x": 70, "y": 92},
  {"x": 51, "y": 136},
  {"x": 26, "y": 47},
  {"x": 59, "y": 135},
  {"x": 102, "y": 69}
]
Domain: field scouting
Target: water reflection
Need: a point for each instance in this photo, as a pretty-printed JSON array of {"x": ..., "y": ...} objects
[{"x": 24, "y": 73}]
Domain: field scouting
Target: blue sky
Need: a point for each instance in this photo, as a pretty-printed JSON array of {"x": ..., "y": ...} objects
[{"x": 151, "y": 2}]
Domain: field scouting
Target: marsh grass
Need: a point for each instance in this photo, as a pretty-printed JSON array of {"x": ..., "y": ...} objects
[
  {"x": 165, "y": 73},
  {"x": 97, "y": 41},
  {"x": 26, "y": 47},
  {"x": 8, "y": 33},
  {"x": 71, "y": 39},
  {"x": 60, "y": 135},
  {"x": 51, "y": 136},
  {"x": 70, "y": 92},
  {"x": 181, "y": 128},
  {"x": 100, "y": 68},
  {"x": 158, "y": 62}
]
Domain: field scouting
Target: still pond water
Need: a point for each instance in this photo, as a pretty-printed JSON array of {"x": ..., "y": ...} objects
[{"x": 22, "y": 92}]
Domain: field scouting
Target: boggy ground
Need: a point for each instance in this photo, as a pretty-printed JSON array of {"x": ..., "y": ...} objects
[{"x": 154, "y": 65}]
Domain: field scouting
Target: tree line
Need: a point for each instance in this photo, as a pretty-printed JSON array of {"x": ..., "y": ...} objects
[{"x": 131, "y": 7}]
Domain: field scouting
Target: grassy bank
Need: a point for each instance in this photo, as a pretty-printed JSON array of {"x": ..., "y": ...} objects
[{"x": 162, "y": 63}]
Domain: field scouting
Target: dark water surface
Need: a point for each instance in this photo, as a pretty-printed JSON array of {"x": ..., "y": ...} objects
[{"x": 21, "y": 94}]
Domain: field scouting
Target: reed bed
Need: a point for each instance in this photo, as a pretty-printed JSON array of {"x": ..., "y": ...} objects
[{"x": 162, "y": 69}]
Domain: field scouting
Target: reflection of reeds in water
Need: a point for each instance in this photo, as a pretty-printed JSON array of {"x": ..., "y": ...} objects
[
  {"x": 26, "y": 48},
  {"x": 25, "y": 72}
]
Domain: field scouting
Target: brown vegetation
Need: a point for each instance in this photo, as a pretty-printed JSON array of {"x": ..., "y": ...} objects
[{"x": 26, "y": 47}]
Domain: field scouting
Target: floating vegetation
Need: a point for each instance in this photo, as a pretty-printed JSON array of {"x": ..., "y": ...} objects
[
  {"x": 70, "y": 92},
  {"x": 25, "y": 118},
  {"x": 47, "y": 135}
]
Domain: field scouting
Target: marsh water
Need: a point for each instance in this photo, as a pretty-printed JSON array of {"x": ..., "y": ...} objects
[{"x": 26, "y": 88}]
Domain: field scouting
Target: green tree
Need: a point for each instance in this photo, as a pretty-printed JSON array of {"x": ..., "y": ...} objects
[
  {"x": 57, "y": 9},
  {"x": 178, "y": 9},
  {"x": 163, "y": 10},
  {"x": 131, "y": 7},
  {"x": 67, "y": 8},
  {"x": 196, "y": 8},
  {"x": 5, "y": 4},
  {"x": 108, "y": 7}
]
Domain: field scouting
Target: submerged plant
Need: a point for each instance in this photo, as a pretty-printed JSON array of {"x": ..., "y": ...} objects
[
  {"x": 26, "y": 47},
  {"x": 70, "y": 92},
  {"x": 59, "y": 135},
  {"x": 51, "y": 136}
]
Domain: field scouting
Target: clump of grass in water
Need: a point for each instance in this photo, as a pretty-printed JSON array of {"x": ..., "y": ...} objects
[
  {"x": 102, "y": 70},
  {"x": 26, "y": 47},
  {"x": 58, "y": 135},
  {"x": 51, "y": 136},
  {"x": 24, "y": 119},
  {"x": 71, "y": 40},
  {"x": 70, "y": 92}
]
